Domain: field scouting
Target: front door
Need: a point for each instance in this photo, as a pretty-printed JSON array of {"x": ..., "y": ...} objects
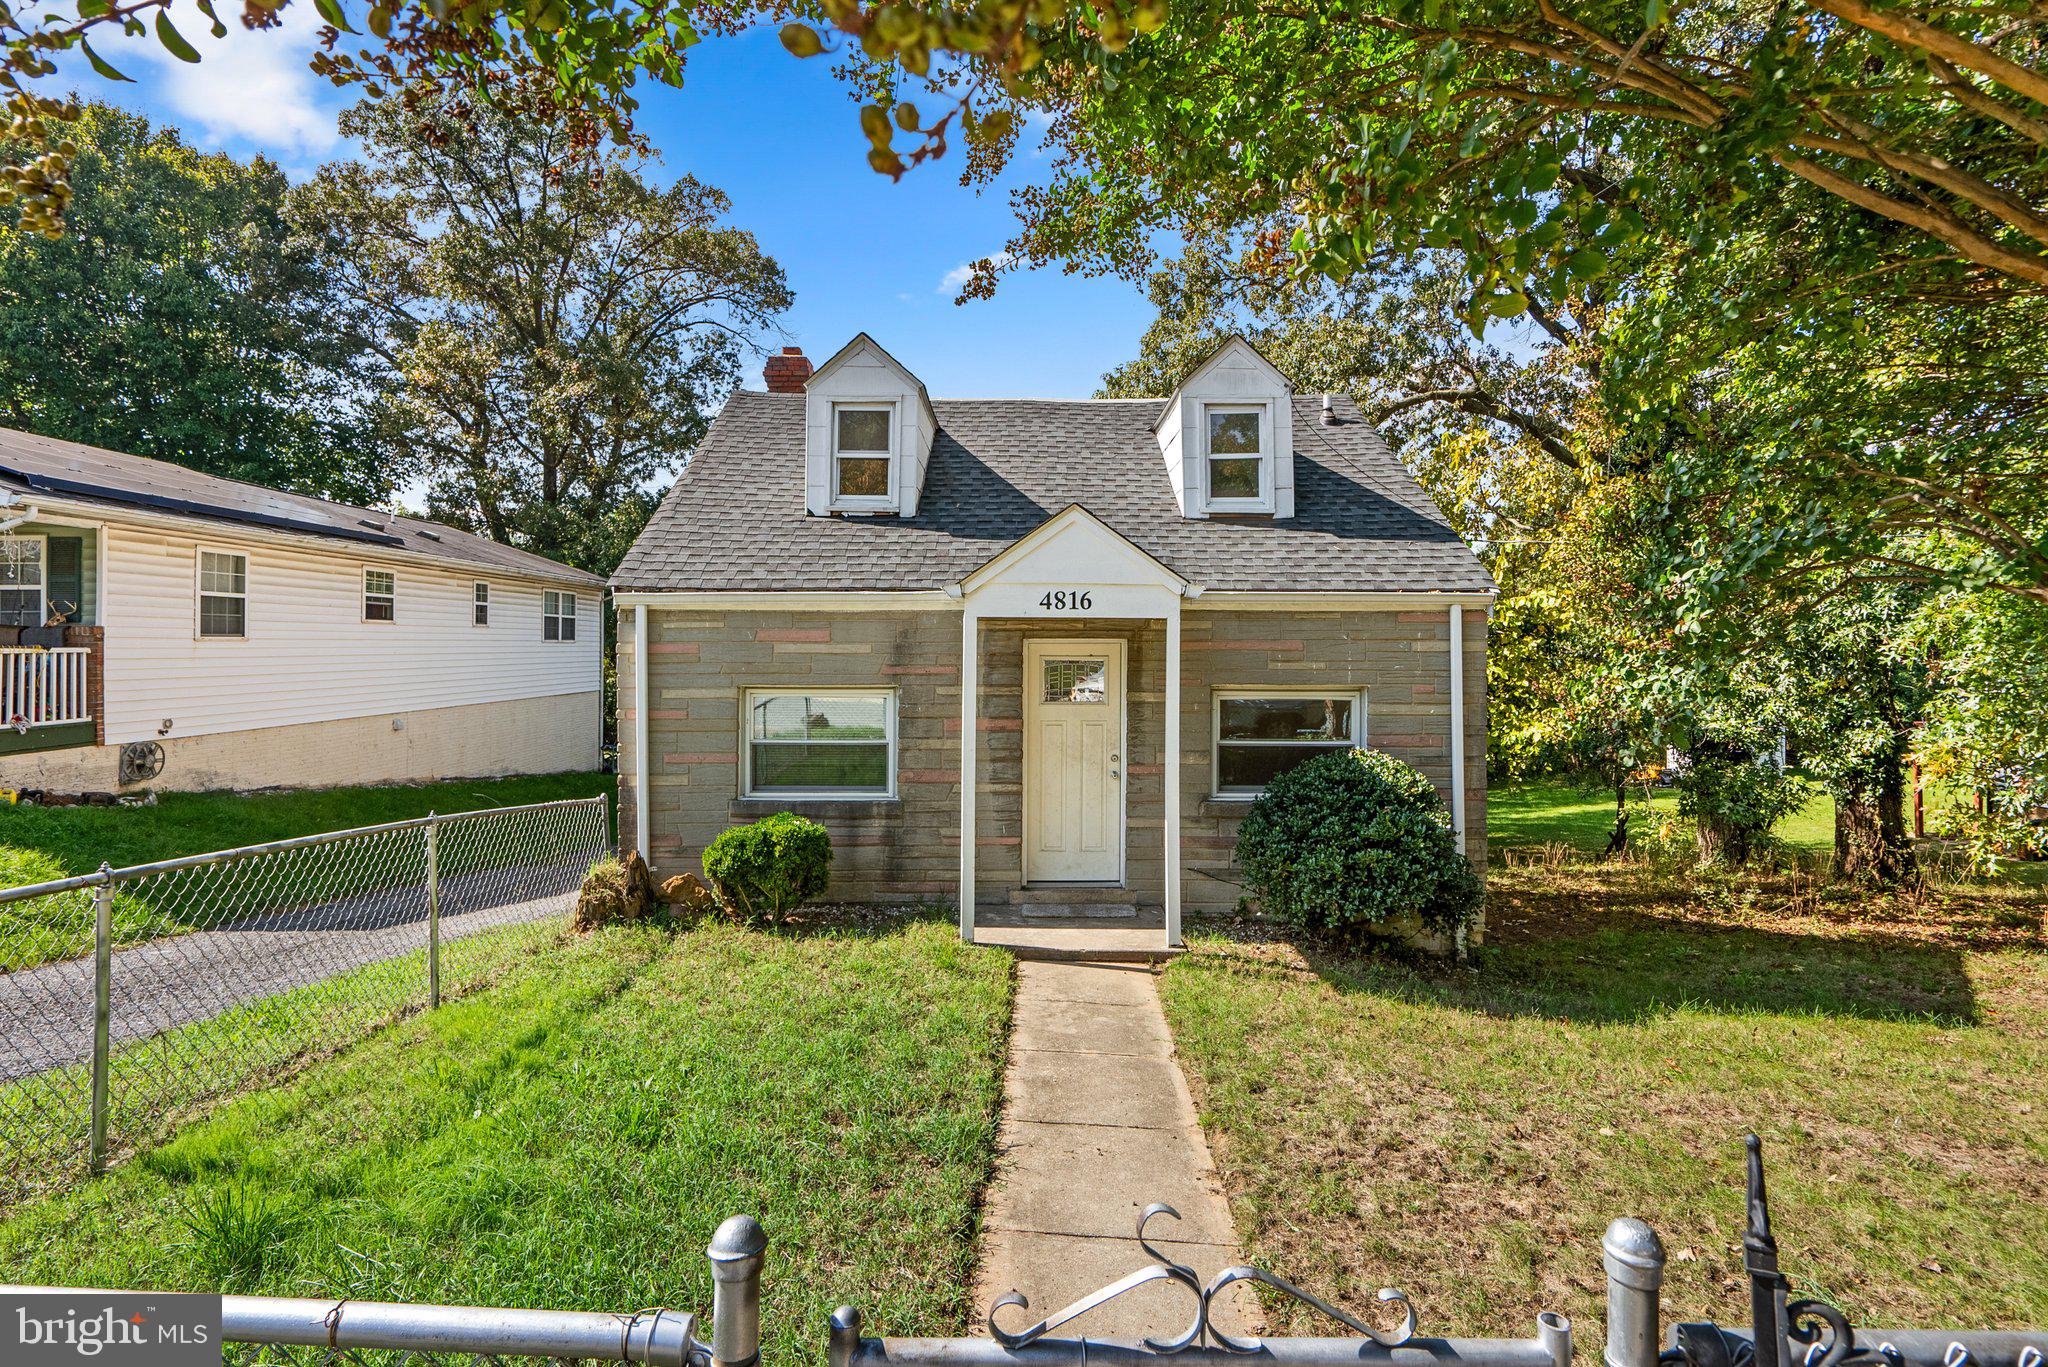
[{"x": 1073, "y": 761}]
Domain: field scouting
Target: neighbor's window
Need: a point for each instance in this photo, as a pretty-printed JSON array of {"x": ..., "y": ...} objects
[
  {"x": 380, "y": 596},
  {"x": 861, "y": 453},
  {"x": 480, "y": 604},
  {"x": 223, "y": 593},
  {"x": 558, "y": 616},
  {"x": 828, "y": 744},
  {"x": 24, "y": 573},
  {"x": 1260, "y": 736},
  {"x": 1237, "y": 454}
]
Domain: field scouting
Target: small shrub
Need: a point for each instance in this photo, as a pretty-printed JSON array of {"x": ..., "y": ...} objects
[
  {"x": 1734, "y": 802},
  {"x": 770, "y": 866},
  {"x": 1354, "y": 839}
]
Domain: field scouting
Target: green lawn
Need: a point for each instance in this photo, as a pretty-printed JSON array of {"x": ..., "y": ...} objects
[
  {"x": 41, "y": 843},
  {"x": 571, "y": 1136},
  {"x": 1546, "y": 811},
  {"x": 1466, "y": 1134}
]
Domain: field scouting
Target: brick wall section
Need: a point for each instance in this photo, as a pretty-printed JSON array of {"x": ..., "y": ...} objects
[
  {"x": 1400, "y": 659},
  {"x": 908, "y": 849},
  {"x": 698, "y": 665}
]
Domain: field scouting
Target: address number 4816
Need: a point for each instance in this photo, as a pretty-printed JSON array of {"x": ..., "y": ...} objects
[{"x": 1067, "y": 600}]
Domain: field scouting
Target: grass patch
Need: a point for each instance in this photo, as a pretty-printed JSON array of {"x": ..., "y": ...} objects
[
  {"x": 572, "y": 1136},
  {"x": 1466, "y": 1134},
  {"x": 1547, "y": 811},
  {"x": 38, "y": 844},
  {"x": 158, "y": 1082},
  {"x": 41, "y": 843}
]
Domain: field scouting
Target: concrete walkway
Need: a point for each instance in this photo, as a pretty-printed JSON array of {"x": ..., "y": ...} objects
[{"x": 1098, "y": 1124}]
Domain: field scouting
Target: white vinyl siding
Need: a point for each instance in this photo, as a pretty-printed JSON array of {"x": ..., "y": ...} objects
[{"x": 310, "y": 656}]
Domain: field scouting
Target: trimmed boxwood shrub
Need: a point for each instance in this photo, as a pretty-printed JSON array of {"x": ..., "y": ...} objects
[
  {"x": 770, "y": 866},
  {"x": 1355, "y": 838}
]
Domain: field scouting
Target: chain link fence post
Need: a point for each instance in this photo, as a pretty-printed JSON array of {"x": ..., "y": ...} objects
[
  {"x": 433, "y": 912},
  {"x": 102, "y": 1010}
]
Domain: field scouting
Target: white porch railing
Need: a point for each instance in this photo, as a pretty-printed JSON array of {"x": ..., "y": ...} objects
[{"x": 45, "y": 687}]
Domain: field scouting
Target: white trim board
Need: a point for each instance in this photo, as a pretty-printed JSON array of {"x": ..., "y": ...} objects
[{"x": 926, "y": 600}]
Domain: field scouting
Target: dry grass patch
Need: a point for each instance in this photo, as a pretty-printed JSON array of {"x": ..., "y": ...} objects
[{"x": 1466, "y": 1134}]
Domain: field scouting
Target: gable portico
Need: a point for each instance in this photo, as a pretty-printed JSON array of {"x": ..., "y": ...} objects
[{"x": 1072, "y": 571}]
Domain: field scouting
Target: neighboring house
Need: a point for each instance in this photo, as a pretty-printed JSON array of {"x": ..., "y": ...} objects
[
  {"x": 227, "y": 635},
  {"x": 1165, "y": 602}
]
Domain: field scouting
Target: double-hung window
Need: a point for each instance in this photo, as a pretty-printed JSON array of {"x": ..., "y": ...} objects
[
  {"x": 24, "y": 580},
  {"x": 863, "y": 455},
  {"x": 479, "y": 604},
  {"x": 223, "y": 594},
  {"x": 380, "y": 596},
  {"x": 557, "y": 616},
  {"x": 820, "y": 743},
  {"x": 1262, "y": 734},
  {"x": 1240, "y": 468}
]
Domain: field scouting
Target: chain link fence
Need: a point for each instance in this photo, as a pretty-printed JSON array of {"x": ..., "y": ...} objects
[{"x": 131, "y": 997}]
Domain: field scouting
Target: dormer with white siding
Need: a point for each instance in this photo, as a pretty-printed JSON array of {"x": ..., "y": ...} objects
[
  {"x": 1227, "y": 436},
  {"x": 868, "y": 427}
]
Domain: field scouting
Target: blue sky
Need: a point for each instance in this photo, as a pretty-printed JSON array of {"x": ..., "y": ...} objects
[{"x": 780, "y": 137}]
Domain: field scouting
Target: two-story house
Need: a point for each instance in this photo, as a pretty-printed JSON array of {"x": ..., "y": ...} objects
[{"x": 1032, "y": 654}]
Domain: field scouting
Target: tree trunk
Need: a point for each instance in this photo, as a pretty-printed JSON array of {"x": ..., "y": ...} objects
[
  {"x": 1872, "y": 844},
  {"x": 1617, "y": 839}
]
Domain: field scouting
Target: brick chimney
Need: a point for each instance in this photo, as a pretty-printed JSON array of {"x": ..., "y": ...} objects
[{"x": 786, "y": 373}]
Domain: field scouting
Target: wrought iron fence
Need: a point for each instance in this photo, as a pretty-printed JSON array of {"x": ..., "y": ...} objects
[
  {"x": 1782, "y": 1333},
  {"x": 128, "y": 997}
]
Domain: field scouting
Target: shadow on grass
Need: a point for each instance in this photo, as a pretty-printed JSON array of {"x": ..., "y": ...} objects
[{"x": 1636, "y": 967}]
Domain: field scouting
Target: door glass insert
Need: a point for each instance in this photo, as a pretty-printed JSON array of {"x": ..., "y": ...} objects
[{"x": 1076, "y": 681}]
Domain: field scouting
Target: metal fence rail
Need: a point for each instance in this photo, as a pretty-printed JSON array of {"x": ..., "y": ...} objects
[
  {"x": 128, "y": 997},
  {"x": 1783, "y": 1332}
]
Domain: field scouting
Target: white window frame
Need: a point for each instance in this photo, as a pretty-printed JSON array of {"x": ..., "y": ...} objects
[
  {"x": 43, "y": 565},
  {"x": 889, "y": 735},
  {"x": 480, "y": 597},
  {"x": 551, "y": 601},
  {"x": 1264, "y": 502},
  {"x": 392, "y": 620},
  {"x": 1253, "y": 692},
  {"x": 199, "y": 593},
  {"x": 864, "y": 503}
]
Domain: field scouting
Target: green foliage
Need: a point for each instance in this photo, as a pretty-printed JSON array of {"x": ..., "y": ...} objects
[
  {"x": 1348, "y": 840},
  {"x": 548, "y": 342},
  {"x": 179, "y": 318},
  {"x": 769, "y": 867},
  {"x": 1734, "y": 801},
  {"x": 233, "y": 1229}
]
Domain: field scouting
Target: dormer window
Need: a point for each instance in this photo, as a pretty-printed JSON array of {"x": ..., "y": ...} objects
[
  {"x": 863, "y": 456},
  {"x": 1240, "y": 473}
]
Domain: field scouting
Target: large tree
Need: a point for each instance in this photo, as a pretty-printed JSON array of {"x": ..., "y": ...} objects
[
  {"x": 550, "y": 329},
  {"x": 179, "y": 319}
]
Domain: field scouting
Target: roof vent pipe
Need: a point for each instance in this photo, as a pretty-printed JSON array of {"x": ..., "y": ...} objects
[{"x": 1329, "y": 410}]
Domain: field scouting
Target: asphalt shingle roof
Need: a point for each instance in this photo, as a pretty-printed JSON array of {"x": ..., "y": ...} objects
[
  {"x": 44, "y": 465},
  {"x": 1000, "y": 467}
]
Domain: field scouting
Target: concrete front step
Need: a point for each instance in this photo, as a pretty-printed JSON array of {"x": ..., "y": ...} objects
[
  {"x": 1075, "y": 944},
  {"x": 1068, "y": 894}
]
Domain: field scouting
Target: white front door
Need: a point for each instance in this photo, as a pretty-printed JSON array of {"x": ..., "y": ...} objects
[{"x": 1073, "y": 761}]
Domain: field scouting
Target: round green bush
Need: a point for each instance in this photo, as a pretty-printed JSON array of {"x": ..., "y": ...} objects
[
  {"x": 1355, "y": 838},
  {"x": 770, "y": 866}
]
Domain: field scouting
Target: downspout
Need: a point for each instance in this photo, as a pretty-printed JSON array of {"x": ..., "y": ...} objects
[{"x": 640, "y": 802}]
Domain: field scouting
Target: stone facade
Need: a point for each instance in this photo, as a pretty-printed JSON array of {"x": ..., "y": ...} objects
[{"x": 907, "y": 849}]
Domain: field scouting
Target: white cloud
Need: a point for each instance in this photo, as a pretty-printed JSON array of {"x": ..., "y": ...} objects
[
  {"x": 953, "y": 280},
  {"x": 251, "y": 87}
]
